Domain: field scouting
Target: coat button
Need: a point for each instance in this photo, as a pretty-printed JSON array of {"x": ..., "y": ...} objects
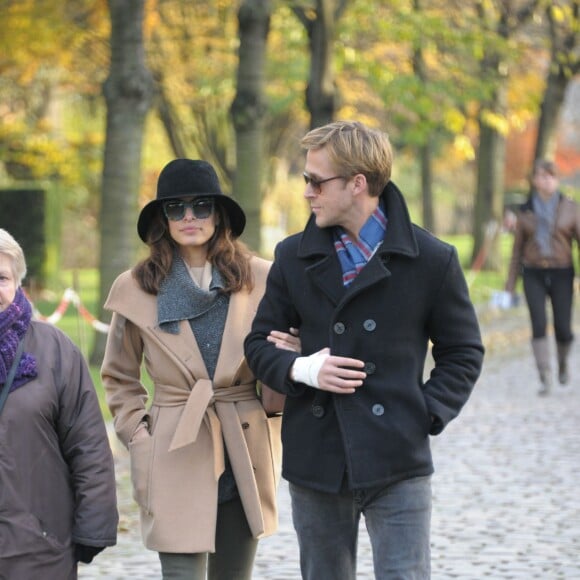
[
  {"x": 369, "y": 325},
  {"x": 378, "y": 409},
  {"x": 339, "y": 328},
  {"x": 318, "y": 411},
  {"x": 245, "y": 425},
  {"x": 370, "y": 368}
]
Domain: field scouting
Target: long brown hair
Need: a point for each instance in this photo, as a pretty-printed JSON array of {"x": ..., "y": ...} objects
[{"x": 225, "y": 252}]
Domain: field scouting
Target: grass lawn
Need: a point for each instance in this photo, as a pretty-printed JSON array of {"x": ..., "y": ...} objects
[
  {"x": 482, "y": 284},
  {"x": 85, "y": 283}
]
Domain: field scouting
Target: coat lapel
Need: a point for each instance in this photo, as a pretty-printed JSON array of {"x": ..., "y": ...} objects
[
  {"x": 127, "y": 298},
  {"x": 231, "y": 353},
  {"x": 184, "y": 348},
  {"x": 327, "y": 275},
  {"x": 375, "y": 271},
  {"x": 317, "y": 247}
]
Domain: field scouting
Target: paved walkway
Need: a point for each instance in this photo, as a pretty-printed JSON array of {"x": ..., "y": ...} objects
[{"x": 506, "y": 488}]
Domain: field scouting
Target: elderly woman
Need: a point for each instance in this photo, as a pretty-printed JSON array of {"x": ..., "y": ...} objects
[
  {"x": 57, "y": 481},
  {"x": 204, "y": 454}
]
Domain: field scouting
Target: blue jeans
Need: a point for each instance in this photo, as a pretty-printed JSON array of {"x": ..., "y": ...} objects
[{"x": 397, "y": 518}]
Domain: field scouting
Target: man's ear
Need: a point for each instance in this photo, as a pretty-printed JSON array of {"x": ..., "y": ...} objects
[{"x": 360, "y": 183}]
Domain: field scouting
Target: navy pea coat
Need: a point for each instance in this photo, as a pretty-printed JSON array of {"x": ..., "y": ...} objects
[{"x": 410, "y": 295}]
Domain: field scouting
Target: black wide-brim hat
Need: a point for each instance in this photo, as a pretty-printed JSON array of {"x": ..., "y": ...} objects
[{"x": 184, "y": 177}]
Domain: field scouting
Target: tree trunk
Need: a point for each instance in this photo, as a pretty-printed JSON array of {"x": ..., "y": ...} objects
[
  {"x": 425, "y": 152},
  {"x": 170, "y": 121},
  {"x": 321, "y": 90},
  {"x": 554, "y": 94},
  {"x": 248, "y": 110},
  {"x": 488, "y": 214},
  {"x": 321, "y": 93},
  {"x": 488, "y": 211},
  {"x": 563, "y": 66},
  {"x": 426, "y": 186},
  {"x": 128, "y": 92}
]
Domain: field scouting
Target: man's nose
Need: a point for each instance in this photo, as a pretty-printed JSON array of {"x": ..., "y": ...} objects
[{"x": 309, "y": 191}]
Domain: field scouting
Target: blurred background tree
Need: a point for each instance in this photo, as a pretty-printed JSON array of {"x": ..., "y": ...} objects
[
  {"x": 469, "y": 91},
  {"x": 128, "y": 92},
  {"x": 563, "y": 41}
]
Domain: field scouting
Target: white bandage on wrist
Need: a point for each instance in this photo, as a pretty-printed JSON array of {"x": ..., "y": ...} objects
[{"x": 306, "y": 368}]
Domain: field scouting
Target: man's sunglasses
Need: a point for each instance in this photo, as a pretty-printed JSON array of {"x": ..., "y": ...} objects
[
  {"x": 316, "y": 184},
  {"x": 200, "y": 208}
]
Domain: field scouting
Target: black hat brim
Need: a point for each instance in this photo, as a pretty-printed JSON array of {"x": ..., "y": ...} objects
[{"x": 236, "y": 214}]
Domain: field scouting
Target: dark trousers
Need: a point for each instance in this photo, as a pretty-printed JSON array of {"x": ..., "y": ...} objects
[
  {"x": 557, "y": 284},
  {"x": 234, "y": 555}
]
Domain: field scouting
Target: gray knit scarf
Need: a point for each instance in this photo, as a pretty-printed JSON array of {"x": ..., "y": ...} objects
[
  {"x": 546, "y": 215},
  {"x": 179, "y": 298}
]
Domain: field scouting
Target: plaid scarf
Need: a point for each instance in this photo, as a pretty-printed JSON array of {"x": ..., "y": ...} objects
[
  {"x": 354, "y": 255},
  {"x": 14, "y": 322}
]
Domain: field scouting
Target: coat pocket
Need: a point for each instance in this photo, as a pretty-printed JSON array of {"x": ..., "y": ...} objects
[
  {"x": 31, "y": 549},
  {"x": 141, "y": 454}
]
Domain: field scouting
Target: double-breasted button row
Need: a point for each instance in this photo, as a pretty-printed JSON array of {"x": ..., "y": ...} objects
[
  {"x": 319, "y": 412},
  {"x": 369, "y": 325}
]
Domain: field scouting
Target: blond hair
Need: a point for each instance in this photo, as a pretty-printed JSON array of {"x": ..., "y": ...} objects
[
  {"x": 354, "y": 148},
  {"x": 11, "y": 248}
]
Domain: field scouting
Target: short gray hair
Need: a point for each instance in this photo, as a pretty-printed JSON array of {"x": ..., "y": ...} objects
[{"x": 11, "y": 248}]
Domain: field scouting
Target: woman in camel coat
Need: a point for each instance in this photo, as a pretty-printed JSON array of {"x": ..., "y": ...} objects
[{"x": 204, "y": 455}]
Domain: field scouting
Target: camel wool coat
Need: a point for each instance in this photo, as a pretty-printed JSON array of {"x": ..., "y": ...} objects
[{"x": 175, "y": 470}]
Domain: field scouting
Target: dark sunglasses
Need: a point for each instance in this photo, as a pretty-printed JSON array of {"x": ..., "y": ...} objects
[
  {"x": 316, "y": 184},
  {"x": 200, "y": 208}
]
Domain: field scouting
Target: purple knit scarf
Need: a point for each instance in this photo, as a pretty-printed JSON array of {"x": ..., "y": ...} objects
[{"x": 14, "y": 323}]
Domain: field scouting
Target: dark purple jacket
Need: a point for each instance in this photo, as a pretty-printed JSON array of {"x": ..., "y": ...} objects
[{"x": 413, "y": 291}]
